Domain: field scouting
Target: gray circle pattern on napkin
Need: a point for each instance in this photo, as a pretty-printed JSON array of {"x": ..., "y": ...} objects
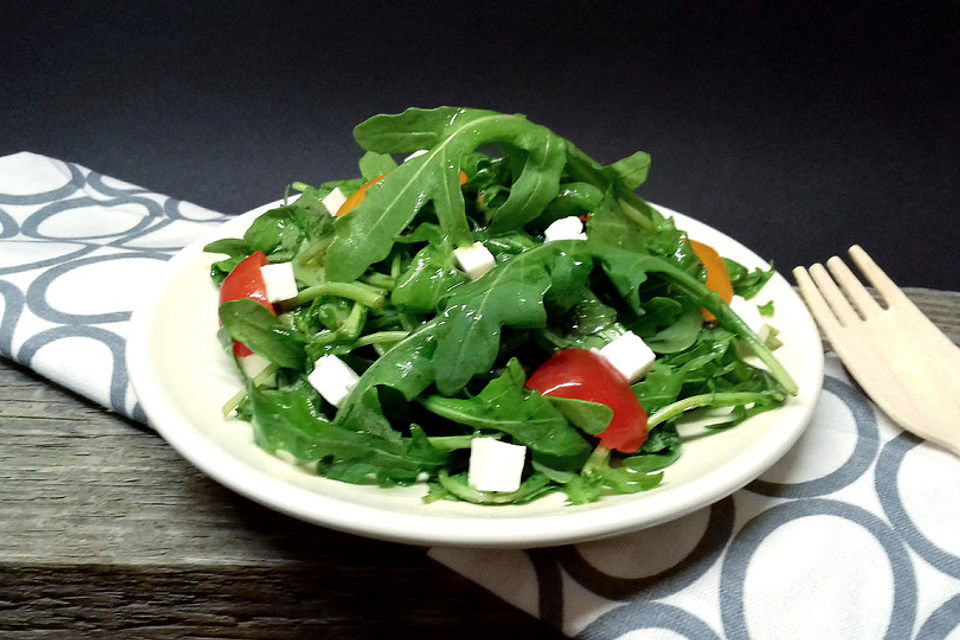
[
  {"x": 736, "y": 531},
  {"x": 62, "y": 223}
]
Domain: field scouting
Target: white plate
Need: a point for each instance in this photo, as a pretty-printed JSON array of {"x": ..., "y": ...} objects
[{"x": 182, "y": 378}]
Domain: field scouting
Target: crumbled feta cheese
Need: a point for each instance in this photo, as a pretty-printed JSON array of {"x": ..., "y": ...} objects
[
  {"x": 629, "y": 355},
  {"x": 253, "y": 364},
  {"x": 279, "y": 281},
  {"x": 332, "y": 379},
  {"x": 750, "y": 315},
  {"x": 415, "y": 154},
  {"x": 569, "y": 228},
  {"x": 495, "y": 465},
  {"x": 476, "y": 259},
  {"x": 333, "y": 201}
]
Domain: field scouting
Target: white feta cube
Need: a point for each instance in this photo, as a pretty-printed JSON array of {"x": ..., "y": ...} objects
[
  {"x": 415, "y": 154},
  {"x": 333, "y": 201},
  {"x": 495, "y": 465},
  {"x": 332, "y": 379},
  {"x": 569, "y": 228},
  {"x": 279, "y": 281},
  {"x": 750, "y": 315},
  {"x": 253, "y": 364},
  {"x": 475, "y": 260},
  {"x": 629, "y": 355}
]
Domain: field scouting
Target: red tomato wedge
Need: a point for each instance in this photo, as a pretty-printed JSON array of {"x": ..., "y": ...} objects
[
  {"x": 246, "y": 281},
  {"x": 717, "y": 277},
  {"x": 584, "y": 375}
]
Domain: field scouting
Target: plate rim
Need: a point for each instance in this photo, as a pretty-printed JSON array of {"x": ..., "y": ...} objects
[{"x": 411, "y": 528}]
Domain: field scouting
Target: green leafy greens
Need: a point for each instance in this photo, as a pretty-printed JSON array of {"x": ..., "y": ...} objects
[{"x": 443, "y": 359}]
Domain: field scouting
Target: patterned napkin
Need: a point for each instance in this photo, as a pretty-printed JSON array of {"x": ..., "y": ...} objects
[
  {"x": 77, "y": 251},
  {"x": 854, "y": 534}
]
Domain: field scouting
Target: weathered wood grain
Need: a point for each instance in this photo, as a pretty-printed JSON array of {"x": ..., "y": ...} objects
[{"x": 106, "y": 532}]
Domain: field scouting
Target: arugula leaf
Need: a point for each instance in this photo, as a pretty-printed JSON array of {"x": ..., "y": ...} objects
[
  {"x": 505, "y": 246},
  {"x": 589, "y": 417},
  {"x": 660, "y": 387},
  {"x": 660, "y": 439},
  {"x": 747, "y": 284},
  {"x": 367, "y": 234},
  {"x": 233, "y": 247},
  {"x": 290, "y": 420},
  {"x": 609, "y": 180},
  {"x": 574, "y": 199},
  {"x": 425, "y": 232},
  {"x": 538, "y": 183},
  {"x": 609, "y": 226},
  {"x": 275, "y": 230},
  {"x": 221, "y": 269},
  {"x": 511, "y": 295},
  {"x": 597, "y": 476},
  {"x": 529, "y": 418},
  {"x": 456, "y": 486},
  {"x": 632, "y": 170},
  {"x": 254, "y": 325},
  {"x": 569, "y": 273},
  {"x": 407, "y": 367},
  {"x": 649, "y": 462},
  {"x": 373, "y": 165},
  {"x": 680, "y": 334},
  {"x": 627, "y": 270},
  {"x": 292, "y": 232},
  {"x": 428, "y": 280},
  {"x": 589, "y": 487},
  {"x": 590, "y": 324}
]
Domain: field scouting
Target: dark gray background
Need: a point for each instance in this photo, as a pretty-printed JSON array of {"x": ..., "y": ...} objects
[{"x": 797, "y": 127}]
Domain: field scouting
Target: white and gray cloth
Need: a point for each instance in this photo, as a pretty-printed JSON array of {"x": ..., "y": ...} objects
[
  {"x": 77, "y": 251},
  {"x": 854, "y": 534}
]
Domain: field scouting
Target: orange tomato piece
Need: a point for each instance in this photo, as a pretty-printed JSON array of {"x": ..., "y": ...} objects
[
  {"x": 718, "y": 279},
  {"x": 357, "y": 196}
]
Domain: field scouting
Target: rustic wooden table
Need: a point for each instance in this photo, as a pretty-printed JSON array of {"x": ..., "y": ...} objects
[{"x": 106, "y": 532}]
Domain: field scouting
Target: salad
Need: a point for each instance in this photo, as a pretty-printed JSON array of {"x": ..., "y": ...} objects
[{"x": 487, "y": 310}]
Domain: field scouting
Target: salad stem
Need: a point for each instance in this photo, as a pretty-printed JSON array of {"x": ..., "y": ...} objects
[
  {"x": 238, "y": 397},
  {"x": 597, "y": 460},
  {"x": 452, "y": 443},
  {"x": 381, "y": 337},
  {"x": 357, "y": 291},
  {"x": 704, "y": 400},
  {"x": 351, "y": 327},
  {"x": 380, "y": 280},
  {"x": 635, "y": 215}
]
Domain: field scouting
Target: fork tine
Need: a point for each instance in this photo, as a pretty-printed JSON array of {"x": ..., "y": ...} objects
[
  {"x": 852, "y": 287},
  {"x": 834, "y": 297},
  {"x": 890, "y": 291},
  {"x": 818, "y": 306}
]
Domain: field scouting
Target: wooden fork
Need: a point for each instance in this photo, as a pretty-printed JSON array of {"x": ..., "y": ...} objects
[{"x": 900, "y": 358}]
